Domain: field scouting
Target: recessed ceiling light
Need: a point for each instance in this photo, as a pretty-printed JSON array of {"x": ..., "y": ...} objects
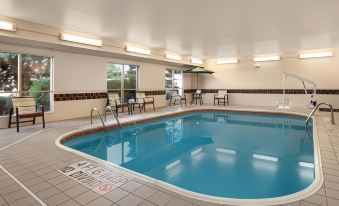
[
  {"x": 8, "y": 26},
  {"x": 80, "y": 39},
  {"x": 138, "y": 50},
  {"x": 230, "y": 60},
  {"x": 196, "y": 60},
  {"x": 266, "y": 58},
  {"x": 173, "y": 56},
  {"x": 315, "y": 55}
]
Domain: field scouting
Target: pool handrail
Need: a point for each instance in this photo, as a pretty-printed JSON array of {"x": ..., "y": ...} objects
[
  {"x": 315, "y": 109},
  {"x": 114, "y": 115},
  {"x": 96, "y": 110}
]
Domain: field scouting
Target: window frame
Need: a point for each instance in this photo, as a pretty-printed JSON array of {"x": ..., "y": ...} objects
[
  {"x": 122, "y": 89},
  {"x": 20, "y": 90}
]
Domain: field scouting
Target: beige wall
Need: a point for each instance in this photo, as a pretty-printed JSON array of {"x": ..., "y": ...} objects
[
  {"x": 76, "y": 73},
  {"x": 324, "y": 71}
]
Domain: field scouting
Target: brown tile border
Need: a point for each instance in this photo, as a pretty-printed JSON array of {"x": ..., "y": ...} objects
[
  {"x": 79, "y": 96},
  {"x": 155, "y": 92},
  {"x": 267, "y": 91},
  {"x": 99, "y": 129},
  {"x": 328, "y": 110},
  {"x": 101, "y": 95},
  {"x": 95, "y": 95}
]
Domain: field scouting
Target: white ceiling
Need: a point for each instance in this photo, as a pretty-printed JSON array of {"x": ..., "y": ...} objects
[{"x": 202, "y": 28}]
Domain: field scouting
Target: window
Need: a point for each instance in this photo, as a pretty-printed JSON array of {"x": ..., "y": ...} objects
[
  {"x": 173, "y": 81},
  {"x": 24, "y": 75},
  {"x": 122, "y": 78}
]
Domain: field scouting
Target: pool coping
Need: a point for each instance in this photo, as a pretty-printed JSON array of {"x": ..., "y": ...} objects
[{"x": 308, "y": 191}]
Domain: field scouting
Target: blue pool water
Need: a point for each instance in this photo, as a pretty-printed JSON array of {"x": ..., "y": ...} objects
[{"x": 231, "y": 155}]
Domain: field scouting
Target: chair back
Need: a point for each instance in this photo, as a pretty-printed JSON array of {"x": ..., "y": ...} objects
[
  {"x": 112, "y": 97},
  {"x": 222, "y": 92},
  {"x": 25, "y": 104},
  {"x": 175, "y": 93}
]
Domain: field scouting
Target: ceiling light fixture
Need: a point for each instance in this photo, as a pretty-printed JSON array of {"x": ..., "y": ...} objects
[
  {"x": 266, "y": 58},
  {"x": 80, "y": 39},
  {"x": 8, "y": 26},
  {"x": 196, "y": 60},
  {"x": 315, "y": 55},
  {"x": 230, "y": 60},
  {"x": 173, "y": 56},
  {"x": 138, "y": 50}
]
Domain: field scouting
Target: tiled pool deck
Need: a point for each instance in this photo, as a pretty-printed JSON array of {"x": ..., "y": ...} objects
[{"x": 33, "y": 162}]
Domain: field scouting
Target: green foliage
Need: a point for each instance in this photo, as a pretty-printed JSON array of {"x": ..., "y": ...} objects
[{"x": 8, "y": 71}]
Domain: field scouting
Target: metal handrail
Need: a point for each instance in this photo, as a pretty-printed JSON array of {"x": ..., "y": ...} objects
[
  {"x": 313, "y": 111},
  {"x": 114, "y": 115},
  {"x": 95, "y": 109}
]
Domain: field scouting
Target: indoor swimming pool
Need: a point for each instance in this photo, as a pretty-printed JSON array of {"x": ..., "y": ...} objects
[{"x": 221, "y": 154}]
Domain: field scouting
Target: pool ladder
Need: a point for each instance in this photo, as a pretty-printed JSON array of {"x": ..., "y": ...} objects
[
  {"x": 315, "y": 109},
  {"x": 94, "y": 109}
]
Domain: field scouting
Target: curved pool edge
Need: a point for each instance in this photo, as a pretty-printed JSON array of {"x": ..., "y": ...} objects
[{"x": 308, "y": 191}]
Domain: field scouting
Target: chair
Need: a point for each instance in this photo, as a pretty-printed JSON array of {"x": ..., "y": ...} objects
[
  {"x": 144, "y": 100},
  {"x": 116, "y": 102},
  {"x": 25, "y": 107},
  {"x": 176, "y": 97},
  {"x": 221, "y": 97}
]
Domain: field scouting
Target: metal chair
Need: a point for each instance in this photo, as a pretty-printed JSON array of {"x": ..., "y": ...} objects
[
  {"x": 176, "y": 97},
  {"x": 221, "y": 97},
  {"x": 115, "y": 102},
  {"x": 144, "y": 100}
]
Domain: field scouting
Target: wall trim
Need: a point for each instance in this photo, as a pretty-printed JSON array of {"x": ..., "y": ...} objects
[
  {"x": 96, "y": 95},
  {"x": 267, "y": 91}
]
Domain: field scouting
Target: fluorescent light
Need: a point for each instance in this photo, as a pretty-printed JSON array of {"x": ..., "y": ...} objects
[
  {"x": 196, "y": 61},
  {"x": 80, "y": 39},
  {"x": 231, "y": 60},
  {"x": 138, "y": 50},
  {"x": 227, "y": 151},
  {"x": 264, "y": 157},
  {"x": 8, "y": 26},
  {"x": 173, "y": 56},
  {"x": 266, "y": 58},
  {"x": 306, "y": 164},
  {"x": 195, "y": 152},
  {"x": 315, "y": 55},
  {"x": 173, "y": 164}
]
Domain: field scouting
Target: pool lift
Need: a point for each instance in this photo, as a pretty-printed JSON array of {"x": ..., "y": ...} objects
[{"x": 285, "y": 104}]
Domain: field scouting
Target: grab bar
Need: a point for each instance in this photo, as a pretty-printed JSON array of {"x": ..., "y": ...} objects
[
  {"x": 313, "y": 111},
  {"x": 96, "y": 110},
  {"x": 114, "y": 115}
]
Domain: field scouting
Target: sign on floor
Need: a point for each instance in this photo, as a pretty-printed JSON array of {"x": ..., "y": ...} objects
[{"x": 94, "y": 177}]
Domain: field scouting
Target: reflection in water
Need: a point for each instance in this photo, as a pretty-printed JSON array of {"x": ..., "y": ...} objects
[{"x": 221, "y": 154}]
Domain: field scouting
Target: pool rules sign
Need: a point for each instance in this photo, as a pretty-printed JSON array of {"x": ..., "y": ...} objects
[{"x": 94, "y": 177}]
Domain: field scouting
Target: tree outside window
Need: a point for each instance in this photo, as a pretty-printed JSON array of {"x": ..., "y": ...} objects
[
  {"x": 34, "y": 72},
  {"x": 122, "y": 79}
]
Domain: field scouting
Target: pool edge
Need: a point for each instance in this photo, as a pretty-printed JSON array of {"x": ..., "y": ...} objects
[{"x": 308, "y": 191}]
